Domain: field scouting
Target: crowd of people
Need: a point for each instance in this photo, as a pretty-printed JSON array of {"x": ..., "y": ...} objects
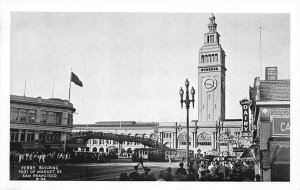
[
  {"x": 214, "y": 170},
  {"x": 39, "y": 157},
  {"x": 217, "y": 169}
]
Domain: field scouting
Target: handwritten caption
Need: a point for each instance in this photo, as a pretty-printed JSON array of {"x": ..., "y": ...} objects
[{"x": 40, "y": 172}]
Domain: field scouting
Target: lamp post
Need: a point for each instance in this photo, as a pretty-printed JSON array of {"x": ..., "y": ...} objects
[
  {"x": 227, "y": 132},
  {"x": 218, "y": 133},
  {"x": 187, "y": 102},
  {"x": 178, "y": 129}
]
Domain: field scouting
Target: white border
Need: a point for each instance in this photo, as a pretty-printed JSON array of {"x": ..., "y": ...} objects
[{"x": 205, "y": 6}]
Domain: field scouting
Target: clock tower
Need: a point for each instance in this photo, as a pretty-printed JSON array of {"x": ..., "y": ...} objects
[{"x": 211, "y": 76}]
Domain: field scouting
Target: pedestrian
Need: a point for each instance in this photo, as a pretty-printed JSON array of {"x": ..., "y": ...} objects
[
  {"x": 168, "y": 176},
  {"x": 141, "y": 161},
  {"x": 257, "y": 177},
  {"x": 123, "y": 177},
  {"x": 181, "y": 172},
  {"x": 222, "y": 171},
  {"x": 134, "y": 176},
  {"x": 145, "y": 176},
  {"x": 161, "y": 176},
  {"x": 201, "y": 169}
]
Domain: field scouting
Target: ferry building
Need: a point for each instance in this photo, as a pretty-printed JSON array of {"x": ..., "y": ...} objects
[{"x": 212, "y": 133}]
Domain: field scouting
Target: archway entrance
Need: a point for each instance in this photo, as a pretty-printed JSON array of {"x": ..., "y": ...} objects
[
  {"x": 94, "y": 149},
  {"x": 129, "y": 152}
]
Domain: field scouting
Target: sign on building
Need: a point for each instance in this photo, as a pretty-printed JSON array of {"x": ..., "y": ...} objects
[
  {"x": 245, "y": 108},
  {"x": 281, "y": 126}
]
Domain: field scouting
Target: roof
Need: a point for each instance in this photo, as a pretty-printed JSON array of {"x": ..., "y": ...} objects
[{"x": 51, "y": 102}]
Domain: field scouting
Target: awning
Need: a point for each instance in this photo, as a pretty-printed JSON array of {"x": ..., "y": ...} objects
[
  {"x": 281, "y": 152},
  {"x": 249, "y": 153}
]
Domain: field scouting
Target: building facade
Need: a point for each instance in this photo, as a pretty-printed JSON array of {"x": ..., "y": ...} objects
[
  {"x": 37, "y": 123},
  {"x": 271, "y": 124},
  {"x": 203, "y": 138}
]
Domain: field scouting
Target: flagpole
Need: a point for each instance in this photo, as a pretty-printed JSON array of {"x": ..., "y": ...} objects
[
  {"x": 70, "y": 84},
  {"x": 52, "y": 87},
  {"x": 25, "y": 87},
  {"x": 260, "y": 52}
]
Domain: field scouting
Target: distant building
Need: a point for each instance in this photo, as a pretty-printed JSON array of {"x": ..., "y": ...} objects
[
  {"x": 208, "y": 138},
  {"x": 271, "y": 73},
  {"x": 271, "y": 123},
  {"x": 37, "y": 123}
]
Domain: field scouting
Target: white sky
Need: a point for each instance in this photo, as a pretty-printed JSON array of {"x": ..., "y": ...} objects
[{"x": 133, "y": 64}]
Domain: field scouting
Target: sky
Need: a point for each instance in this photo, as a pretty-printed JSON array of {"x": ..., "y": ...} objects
[{"x": 132, "y": 65}]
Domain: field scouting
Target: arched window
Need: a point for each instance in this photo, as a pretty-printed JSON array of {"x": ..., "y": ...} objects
[
  {"x": 216, "y": 57},
  {"x": 205, "y": 59},
  {"x": 202, "y": 59},
  {"x": 182, "y": 139},
  {"x": 101, "y": 149},
  {"x": 204, "y": 139},
  {"x": 213, "y": 57},
  {"x": 209, "y": 58},
  {"x": 207, "y": 39},
  {"x": 94, "y": 149}
]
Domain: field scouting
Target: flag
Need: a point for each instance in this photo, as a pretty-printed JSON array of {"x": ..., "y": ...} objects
[{"x": 75, "y": 79}]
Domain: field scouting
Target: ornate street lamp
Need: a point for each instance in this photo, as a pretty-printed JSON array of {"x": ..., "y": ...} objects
[
  {"x": 219, "y": 125},
  {"x": 187, "y": 102},
  {"x": 230, "y": 138}
]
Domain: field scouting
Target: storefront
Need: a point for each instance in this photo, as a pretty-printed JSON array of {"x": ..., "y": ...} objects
[{"x": 271, "y": 124}]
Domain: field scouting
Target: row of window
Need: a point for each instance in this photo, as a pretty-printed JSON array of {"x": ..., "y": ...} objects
[
  {"x": 210, "y": 69},
  {"x": 17, "y": 136},
  {"x": 30, "y": 116},
  {"x": 204, "y": 143},
  {"x": 223, "y": 144},
  {"x": 167, "y": 135},
  {"x": 209, "y": 58},
  {"x": 111, "y": 142},
  {"x": 184, "y": 143},
  {"x": 28, "y": 136},
  {"x": 210, "y": 38},
  {"x": 51, "y": 117},
  {"x": 212, "y": 29}
]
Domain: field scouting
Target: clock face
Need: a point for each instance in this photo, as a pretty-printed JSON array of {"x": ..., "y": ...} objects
[{"x": 210, "y": 84}]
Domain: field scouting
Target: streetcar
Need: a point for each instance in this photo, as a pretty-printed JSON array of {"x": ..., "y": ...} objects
[
  {"x": 181, "y": 154},
  {"x": 154, "y": 154}
]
